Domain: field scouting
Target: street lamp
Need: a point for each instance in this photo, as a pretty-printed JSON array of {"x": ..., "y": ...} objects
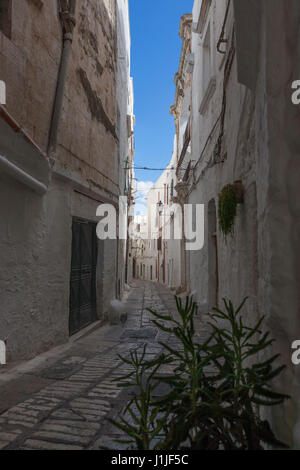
[{"x": 160, "y": 207}]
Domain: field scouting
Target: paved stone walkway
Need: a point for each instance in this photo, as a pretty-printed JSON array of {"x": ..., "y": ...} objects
[{"x": 64, "y": 401}]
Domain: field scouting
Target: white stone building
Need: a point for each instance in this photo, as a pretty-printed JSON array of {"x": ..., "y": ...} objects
[
  {"x": 159, "y": 256},
  {"x": 236, "y": 124},
  {"x": 126, "y": 118},
  {"x": 139, "y": 249}
]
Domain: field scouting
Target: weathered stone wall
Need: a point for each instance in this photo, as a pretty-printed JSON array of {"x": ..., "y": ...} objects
[
  {"x": 125, "y": 100},
  {"x": 278, "y": 171},
  {"x": 260, "y": 146},
  {"x": 88, "y": 140},
  {"x": 237, "y": 255},
  {"x": 36, "y": 230},
  {"x": 29, "y": 65},
  {"x": 35, "y": 257}
]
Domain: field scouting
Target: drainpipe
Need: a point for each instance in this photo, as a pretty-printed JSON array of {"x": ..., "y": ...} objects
[
  {"x": 20, "y": 175},
  {"x": 67, "y": 16}
]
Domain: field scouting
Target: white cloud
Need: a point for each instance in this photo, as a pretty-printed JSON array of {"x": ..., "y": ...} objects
[{"x": 142, "y": 189}]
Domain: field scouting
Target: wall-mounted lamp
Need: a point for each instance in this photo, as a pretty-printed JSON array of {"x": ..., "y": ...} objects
[{"x": 160, "y": 207}]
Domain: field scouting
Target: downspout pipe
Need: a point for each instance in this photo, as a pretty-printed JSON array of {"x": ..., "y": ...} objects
[
  {"x": 67, "y": 15},
  {"x": 21, "y": 176}
]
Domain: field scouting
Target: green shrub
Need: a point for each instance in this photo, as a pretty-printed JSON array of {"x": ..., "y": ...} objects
[{"x": 213, "y": 394}]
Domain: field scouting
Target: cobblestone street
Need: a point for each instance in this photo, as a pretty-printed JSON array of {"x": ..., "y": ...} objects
[{"x": 63, "y": 400}]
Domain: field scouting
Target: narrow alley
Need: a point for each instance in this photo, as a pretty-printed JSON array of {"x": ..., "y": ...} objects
[{"x": 69, "y": 393}]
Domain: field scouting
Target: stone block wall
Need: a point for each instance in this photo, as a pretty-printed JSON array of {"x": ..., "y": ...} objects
[{"x": 36, "y": 230}]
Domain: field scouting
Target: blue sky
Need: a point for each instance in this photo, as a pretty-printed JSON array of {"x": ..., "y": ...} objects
[{"x": 155, "y": 53}]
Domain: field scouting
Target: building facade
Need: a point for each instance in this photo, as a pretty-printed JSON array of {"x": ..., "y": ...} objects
[
  {"x": 158, "y": 243},
  {"x": 63, "y": 144},
  {"x": 236, "y": 125},
  {"x": 125, "y": 113}
]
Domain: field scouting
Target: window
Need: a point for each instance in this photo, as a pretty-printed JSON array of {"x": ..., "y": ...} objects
[
  {"x": 187, "y": 172},
  {"x": 5, "y": 17},
  {"x": 159, "y": 244},
  {"x": 204, "y": 10},
  {"x": 208, "y": 66},
  {"x": 186, "y": 142},
  {"x": 126, "y": 185},
  {"x": 129, "y": 125},
  {"x": 206, "y": 59},
  {"x": 172, "y": 228},
  {"x": 172, "y": 188}
]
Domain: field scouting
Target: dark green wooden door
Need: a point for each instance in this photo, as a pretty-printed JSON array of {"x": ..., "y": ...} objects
[{"x": 83, "y": 275}]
